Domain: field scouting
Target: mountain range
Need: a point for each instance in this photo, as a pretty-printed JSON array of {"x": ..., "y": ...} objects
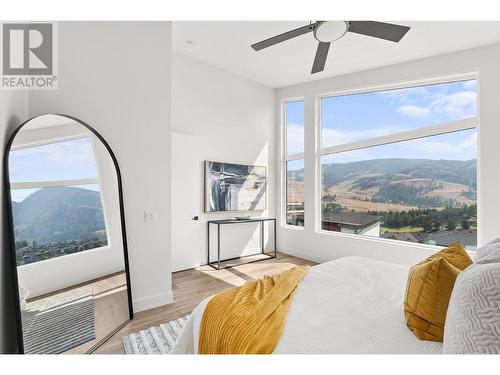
[
  {"x": 404, "y": 182},
  {"x": 58, "y": 214},
  {"x": 456, "y": 171}
]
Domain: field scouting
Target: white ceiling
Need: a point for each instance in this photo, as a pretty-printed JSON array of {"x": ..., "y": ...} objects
[{"x": 227, "y": 45}]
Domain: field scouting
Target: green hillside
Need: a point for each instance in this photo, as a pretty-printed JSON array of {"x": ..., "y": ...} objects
[{"x": 58, "y": 215}]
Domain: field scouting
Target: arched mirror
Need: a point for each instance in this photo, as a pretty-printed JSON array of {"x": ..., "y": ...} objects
[{"x": 68, "y": 237}]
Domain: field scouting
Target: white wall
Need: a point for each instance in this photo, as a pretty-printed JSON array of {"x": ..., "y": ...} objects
[
  {"x": 319, "y": 246},
  {"x": 115, "y": 76},
  {"x": 230, "y": 119},
  {"x": 13, "y": 111}
]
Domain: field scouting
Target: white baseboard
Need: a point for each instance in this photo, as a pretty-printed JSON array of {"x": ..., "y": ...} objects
[
  {"x": 150, "y": 302},
  {"x": 303, "y": 255}
]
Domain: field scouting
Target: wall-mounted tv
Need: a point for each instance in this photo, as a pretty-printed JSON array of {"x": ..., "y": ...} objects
[{"x": 234, "y": 187}]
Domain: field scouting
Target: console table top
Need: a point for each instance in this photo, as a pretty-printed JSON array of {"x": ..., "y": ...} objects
[{"x": 233, "y": 221}]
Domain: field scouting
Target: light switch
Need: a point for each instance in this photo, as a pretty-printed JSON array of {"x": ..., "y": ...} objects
[{"x": 150, "y": 216}]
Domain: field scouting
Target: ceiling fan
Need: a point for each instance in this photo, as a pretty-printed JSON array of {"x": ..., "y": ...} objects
[{"x": 326, "y": 32}]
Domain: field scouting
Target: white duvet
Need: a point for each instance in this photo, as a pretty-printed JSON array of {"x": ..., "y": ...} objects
[{"x": 349, "y": 305}]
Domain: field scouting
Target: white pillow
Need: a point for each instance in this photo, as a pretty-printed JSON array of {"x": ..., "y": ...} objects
[
  {"x": 492, "y": 247},
  {"x": 473, "y": 319}
]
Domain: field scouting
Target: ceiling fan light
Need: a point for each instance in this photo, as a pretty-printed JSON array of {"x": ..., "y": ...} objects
[{"x": 329, "y": 31}]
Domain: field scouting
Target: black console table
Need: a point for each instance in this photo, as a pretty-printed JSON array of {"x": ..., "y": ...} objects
[{"x": 216, "y": 265}]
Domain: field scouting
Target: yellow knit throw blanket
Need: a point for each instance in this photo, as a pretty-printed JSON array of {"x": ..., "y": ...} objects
[{"x": 249, "y": 319}]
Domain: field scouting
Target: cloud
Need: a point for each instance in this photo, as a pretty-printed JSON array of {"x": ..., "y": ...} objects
[
  {"x": 455, "y": 100},
  {"x": 60, "y": 160},
  {"x": 65, "y": 152},
  {"x": 469, "y": 84},
  {"x": 459, "y": 104},
  {"x": 437, "y": 103},
  {"x": 295, "y": 138},
  {"x": 407, "y": 95},
  {"x": 349, "y": 157},
  {"x": 465, "y": 149},
  {"x": 414, "y": 111},
  {"x": 454, "y": 146}
]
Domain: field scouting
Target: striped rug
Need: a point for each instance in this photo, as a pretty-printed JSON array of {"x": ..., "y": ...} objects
[
  {"x": 60, "y": 328},
  {"x": 154, "y": 340}
]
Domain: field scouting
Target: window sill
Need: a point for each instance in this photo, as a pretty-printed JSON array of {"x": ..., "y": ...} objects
[
  {"x": 62, "y": 258},
  {"x": 292, "y": 227},
  {"x": 388, "y": 241}
]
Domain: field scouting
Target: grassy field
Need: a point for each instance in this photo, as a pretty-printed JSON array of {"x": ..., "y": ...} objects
[{"x": 402, "y": 230}]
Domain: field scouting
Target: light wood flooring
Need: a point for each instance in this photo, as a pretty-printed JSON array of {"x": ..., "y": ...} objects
[{"x": 192, "y": 286}]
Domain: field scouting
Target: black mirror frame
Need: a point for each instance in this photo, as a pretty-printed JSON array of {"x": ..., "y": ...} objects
[{"x": 10, "y": 223}]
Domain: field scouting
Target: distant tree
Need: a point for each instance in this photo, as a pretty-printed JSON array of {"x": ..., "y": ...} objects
[
  {"x": 427, "y": 225},
  {"x": 451, "y": 224},
  {"x": 464, "y": 224},
  {"x": 20, "y": 244}
]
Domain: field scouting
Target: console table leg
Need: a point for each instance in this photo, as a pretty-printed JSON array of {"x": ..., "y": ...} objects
[
  {"x": 275, "y": 244},
  {"x": 262, "y": 237},
  {"x": 218, "y": 246}
]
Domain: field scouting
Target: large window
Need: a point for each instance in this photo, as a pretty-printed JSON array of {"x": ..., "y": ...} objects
[
  {"x": 293, "y": 163},
  {"x": 401, "y": 164},
  {"x": 56, "y": 200}
]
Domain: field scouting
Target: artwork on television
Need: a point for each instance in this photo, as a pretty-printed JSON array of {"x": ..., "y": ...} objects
[{"x": 234, "y": 187}]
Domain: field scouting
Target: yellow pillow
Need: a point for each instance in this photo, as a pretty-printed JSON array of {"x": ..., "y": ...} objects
[
  {"x": 455, "y": 254},
  {"x": 428, "y": 291}
]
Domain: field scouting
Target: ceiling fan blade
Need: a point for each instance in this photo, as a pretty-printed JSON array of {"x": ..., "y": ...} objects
[
  {"x": 282, "y": 37},
  {"x": 381, "y": 30},
  {"x": 320, "y": 58}
]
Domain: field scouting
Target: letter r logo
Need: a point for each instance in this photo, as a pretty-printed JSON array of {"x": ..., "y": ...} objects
[{"x": 27, "y": 49}]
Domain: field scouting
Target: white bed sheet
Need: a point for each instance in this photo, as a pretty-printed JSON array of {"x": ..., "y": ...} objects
[{"x": 349, "y": 305}]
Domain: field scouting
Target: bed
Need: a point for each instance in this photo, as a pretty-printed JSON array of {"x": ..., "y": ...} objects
[{"x": 349, "y": 305}]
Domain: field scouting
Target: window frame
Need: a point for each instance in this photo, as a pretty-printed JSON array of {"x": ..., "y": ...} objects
[
  {"x": 285, "y": 158},
  {"x": 444, "y": 128},
  {"x": 65, "y": 183}
]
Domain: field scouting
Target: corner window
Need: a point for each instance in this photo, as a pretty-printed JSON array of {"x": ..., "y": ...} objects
[
  {"x": 57, "y": 210},
  {"x": 293, "y": 163},
  {"x": 402, "y": 164}
]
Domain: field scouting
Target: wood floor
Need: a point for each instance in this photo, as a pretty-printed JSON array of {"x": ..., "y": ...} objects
[
  {"x": 110, "y": 308},
  {"x": 190, "y": 287}
]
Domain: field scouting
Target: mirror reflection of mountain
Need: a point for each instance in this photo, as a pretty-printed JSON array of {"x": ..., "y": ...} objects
[{"x": 58, "y": 221}]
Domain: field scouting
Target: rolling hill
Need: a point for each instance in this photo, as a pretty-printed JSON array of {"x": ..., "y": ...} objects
[
  {"x": 58, "y": 215},
  {"x": 456, "y": 171},
  {"x": 400, "y": 184}
]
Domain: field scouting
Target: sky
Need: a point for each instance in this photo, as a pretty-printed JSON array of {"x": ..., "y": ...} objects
[
  {"x": 295, "y": 165},
  {"x": 18, "y": 195},
  {"x": 460, "y": 145},
  {"x": 72, "y": 159},
  {"x": 351, "y": 118}
]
